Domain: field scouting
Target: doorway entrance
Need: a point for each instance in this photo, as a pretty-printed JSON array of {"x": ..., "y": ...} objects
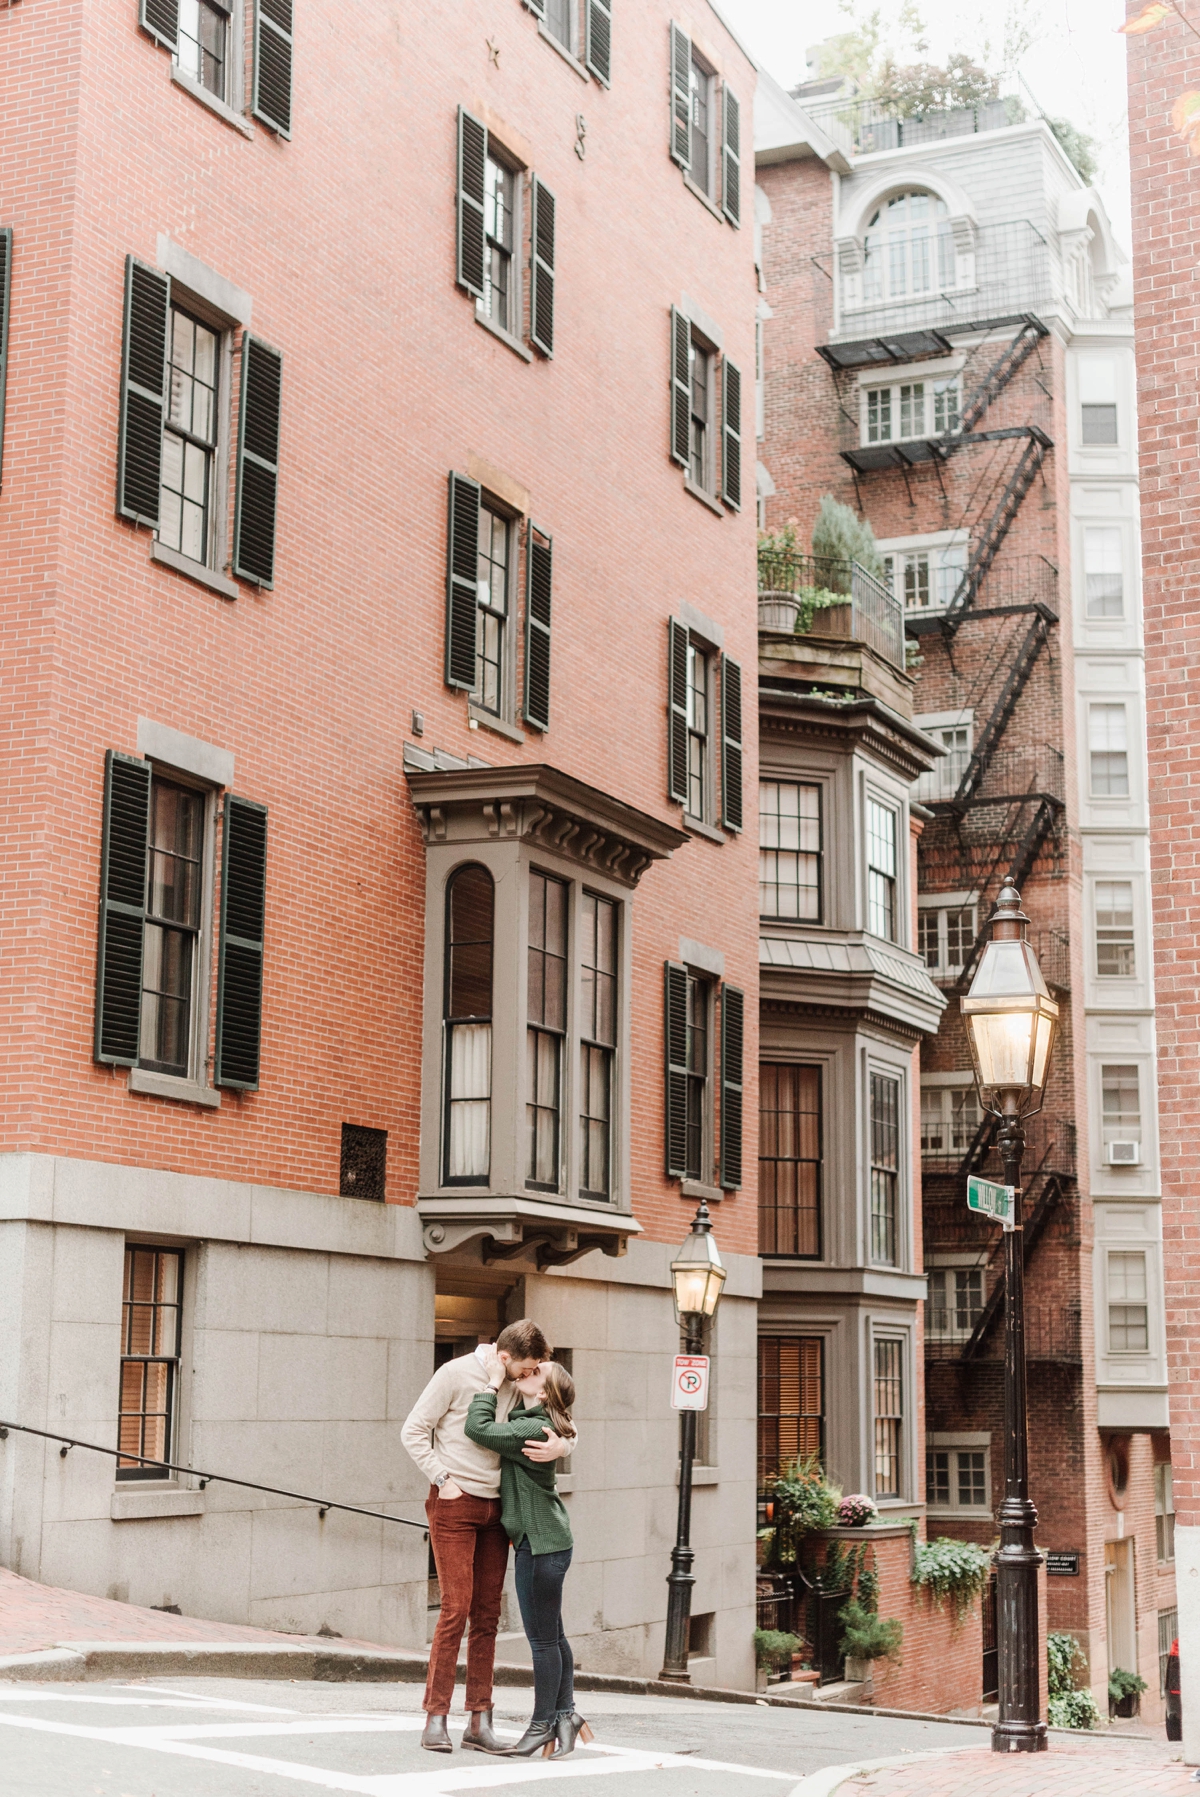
[{"x": 1121, "y": 1605}]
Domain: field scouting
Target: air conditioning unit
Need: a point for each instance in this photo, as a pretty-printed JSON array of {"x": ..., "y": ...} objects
[{"x": 1124, "y": 1154}]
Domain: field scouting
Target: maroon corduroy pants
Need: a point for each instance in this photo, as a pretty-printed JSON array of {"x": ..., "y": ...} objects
[{"x": 470, "y": 1551}]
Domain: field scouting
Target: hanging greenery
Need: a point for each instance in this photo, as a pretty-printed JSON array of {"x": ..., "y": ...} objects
[{"x": 957, "y": 1570}]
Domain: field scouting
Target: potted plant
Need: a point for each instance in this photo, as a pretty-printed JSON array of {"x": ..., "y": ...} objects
[
  {"x": 1124, "y": 1692},
  {"x": 773, "y": 1653},
  {"x": 867, "y": 1637},
  {"x": 857, "y": 1511}
]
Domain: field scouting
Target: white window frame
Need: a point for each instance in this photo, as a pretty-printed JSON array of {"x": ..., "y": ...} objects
[
  {"x": 1112, "y": 1299},
  {"x": 942, "y": 780},
  {"x": 903, "y": 1170},
  {"x": 234, "y": 98},
  {"x": 1088, "y": 526},
  {"x": 901, "y": 396},
  {"x": 1095, "y": 705},
  {"x": 939, "y": 908},
  {"x": 886, "y": 802},
  {"x": 882, "y": 1331},
  {"x": 1110, "y": 1132},
  {"x": 1115, "y": 981},
  {"x": 947, "y": 552},
  {"x": 217, "y": 545},
  {"x": 948, "y": 1083},
  {"x": 955, "y": 1443}
]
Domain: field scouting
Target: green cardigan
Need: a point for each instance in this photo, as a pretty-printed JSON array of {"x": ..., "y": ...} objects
[{"x": 529, "y": 1502}]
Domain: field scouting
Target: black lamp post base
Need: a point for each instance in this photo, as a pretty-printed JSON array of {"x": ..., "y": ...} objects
[{"x": 1020, "y": 1737}]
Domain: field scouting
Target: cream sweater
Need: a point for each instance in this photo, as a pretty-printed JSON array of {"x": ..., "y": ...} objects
[{"x": 434, "y": 1431}]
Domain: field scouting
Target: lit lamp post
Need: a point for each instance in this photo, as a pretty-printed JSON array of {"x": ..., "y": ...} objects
[
  {"x": 697, "y": 1276},
  {"x": 1011, "y": 1022}
]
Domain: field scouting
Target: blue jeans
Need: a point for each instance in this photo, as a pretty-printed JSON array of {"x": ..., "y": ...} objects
[{"x": 539, "y": 1593}]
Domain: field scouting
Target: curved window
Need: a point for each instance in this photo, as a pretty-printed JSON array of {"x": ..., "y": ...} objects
[
  {"x": 470, "y": 927},
  {"x": 908, "y": 248}
]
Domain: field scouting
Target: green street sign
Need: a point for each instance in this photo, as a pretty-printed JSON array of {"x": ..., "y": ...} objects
[{"x": 992, "y": 1200}]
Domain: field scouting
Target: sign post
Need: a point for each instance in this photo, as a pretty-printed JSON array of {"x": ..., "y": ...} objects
[
  {"x": 689, "y": 1382},
  {"x": 992, "y": 1200}
]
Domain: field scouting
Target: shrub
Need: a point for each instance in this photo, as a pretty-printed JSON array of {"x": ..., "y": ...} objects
[
  {"x": 842, "y": 537},
  {"x": 957, "y": 1570},
  {"x": 920, "y": 87},
  {"x": 866, "y": 1636},
  {"x": 1080, "y": 149},
  {"x": 1122, "y": 1684},
  {"x": 802, "y": 1501},
  {"x": 1073, "y": 1709},
  {"x": 773, "y": 1649},
  {"x": 855, "y": 1511},
  {"x": 1064, "y": 1658}
]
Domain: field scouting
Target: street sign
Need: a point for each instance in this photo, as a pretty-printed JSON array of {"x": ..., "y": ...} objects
[
  {"x": 689, "y": 1382},
  {"x": 992, "y": 1200},
  {"x": 1064, "y": 1564}
]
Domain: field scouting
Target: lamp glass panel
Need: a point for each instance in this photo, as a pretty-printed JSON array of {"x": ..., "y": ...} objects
[
  {"x": 1003, "y": 1043},
  {"x": 691, "y": 1288},
  {"x": 1043, "y": 1041},
  {"x": 1008, "y": 970}
]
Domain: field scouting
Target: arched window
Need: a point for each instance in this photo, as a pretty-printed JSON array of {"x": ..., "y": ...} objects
[
  {"x": 470, "y": 928},
  {"x": 908, "y": 248}
]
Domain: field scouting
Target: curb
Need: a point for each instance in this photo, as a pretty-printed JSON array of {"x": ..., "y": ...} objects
[{"x": 825, "y": 1782}]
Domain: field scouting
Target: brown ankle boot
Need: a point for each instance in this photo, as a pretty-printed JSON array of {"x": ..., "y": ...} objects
[
  {"x": 435, "y": 1735},
  {"x": 479, "y": 1733}
]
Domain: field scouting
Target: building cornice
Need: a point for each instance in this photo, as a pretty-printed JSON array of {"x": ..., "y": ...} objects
[{"x": 863, "y": 722}]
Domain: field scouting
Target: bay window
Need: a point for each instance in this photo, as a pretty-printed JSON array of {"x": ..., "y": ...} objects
[{"x": 468, "y": 1026}]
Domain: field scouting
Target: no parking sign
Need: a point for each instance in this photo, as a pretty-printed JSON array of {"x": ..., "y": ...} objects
[{"x": 689, "y": 1382}]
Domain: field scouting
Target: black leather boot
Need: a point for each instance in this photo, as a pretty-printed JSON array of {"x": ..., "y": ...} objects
[
  {"x": 435, "y": 1735},
  {"x": 480, "y": 1733},
  {"x": 569, "y": 1729},
  {"x": 539, "y": 1737}
]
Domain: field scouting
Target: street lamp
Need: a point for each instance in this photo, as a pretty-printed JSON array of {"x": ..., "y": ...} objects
[
  {"x": 1012, "y": 1022},
  {"x": 697, "y": 1277}
]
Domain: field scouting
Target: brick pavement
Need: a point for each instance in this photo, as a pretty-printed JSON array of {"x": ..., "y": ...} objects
[{"x": 1095, "y": 1768}]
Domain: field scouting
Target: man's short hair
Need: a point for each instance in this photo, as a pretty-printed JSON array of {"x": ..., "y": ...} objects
[{"x": 524, "y": 1341}]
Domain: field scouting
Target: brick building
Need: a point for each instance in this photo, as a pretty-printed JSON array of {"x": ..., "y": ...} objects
[
  {"x": 946, "y": 347},
  {"x": 1164, "y": 66},
  {"x": 375, "y": 740}
]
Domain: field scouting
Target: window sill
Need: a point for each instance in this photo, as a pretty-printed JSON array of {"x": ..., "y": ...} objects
[
  {"x": 230, "y": 117},
  {"x": 513, "y": 343},
  {"x": 567, "y": 56},
  {"x": 694, "y": 187},
  {"x": 204, "y": 577},
  {"x": 695, "y": 826},
  {"x": 165, "y": 1085},
  {"x": 972, "y": 1512},
  {"x": 167, "y": 1500},
  {"x": 487, "y": 720},
  {"x": 705, "y": 498},
  {"x": 692, "y": 1188},
  {"x": 703, "y": 1475}
]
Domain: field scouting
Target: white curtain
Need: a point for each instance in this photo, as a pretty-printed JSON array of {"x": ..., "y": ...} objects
[{"x": 470, "y": 1101}]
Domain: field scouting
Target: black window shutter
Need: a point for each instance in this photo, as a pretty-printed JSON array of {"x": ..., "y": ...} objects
[
  {"x": 143, "y": 391},
  {"x": 677, "y": 730},
  {"x": 257, "y": 463},
  {"x": 537, "y": 6},
  {"x": 161, "y": 19},
  {"x": 681, "y": 97},
  {"x": 273, "y": 48},
  {"x": 541, "y": 260},
  {"x": 539, "y": 569},
  {"x": 731, "y": 743},
  {"x": 681, "y": 398},
  {"x": 240, "y": 966},
  {"x": 462, "y": 575},
  {"x": 122, "y": 909},
  {"x": 731, "y": 433},
  {"x": 472, "y": 159},
  {"x": 731, "y": 157},
  {"x": 733, "y": 1035},
  {"x": 675, "y": 1028},
  {"x": 6, "y": 243},
  {"x": 598, "y": 54}
]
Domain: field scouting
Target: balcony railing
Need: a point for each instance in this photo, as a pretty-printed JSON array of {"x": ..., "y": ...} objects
[
  {"x": 1006, "y": 274},
  {"x": 814, "y": 595},
  {"x": 863, "y": 127}
]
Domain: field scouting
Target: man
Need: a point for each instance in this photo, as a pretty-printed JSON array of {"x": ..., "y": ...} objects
[{"x": 470, "y": 1549}]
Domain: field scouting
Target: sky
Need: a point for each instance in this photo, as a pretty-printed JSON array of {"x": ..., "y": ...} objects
[{"x": 1075, "y": 67}]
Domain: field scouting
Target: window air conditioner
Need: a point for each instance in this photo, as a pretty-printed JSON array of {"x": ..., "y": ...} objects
[{"x": 1124, "y": 1154}]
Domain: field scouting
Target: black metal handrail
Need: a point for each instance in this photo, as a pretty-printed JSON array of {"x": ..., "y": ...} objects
[{"x": 322, "y": 1505}]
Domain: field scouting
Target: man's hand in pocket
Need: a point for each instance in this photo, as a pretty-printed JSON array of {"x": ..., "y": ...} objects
[{"x": 449, "y": 1490}]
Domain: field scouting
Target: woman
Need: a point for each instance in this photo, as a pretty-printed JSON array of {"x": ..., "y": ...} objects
[{"x": 535, "y": 1520}]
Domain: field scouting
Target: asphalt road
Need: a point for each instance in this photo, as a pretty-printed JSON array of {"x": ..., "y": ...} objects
[{"x": 234, "y": 1738}]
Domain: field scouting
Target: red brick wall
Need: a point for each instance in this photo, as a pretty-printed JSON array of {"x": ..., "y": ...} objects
[{"x": 345, "y": 239}]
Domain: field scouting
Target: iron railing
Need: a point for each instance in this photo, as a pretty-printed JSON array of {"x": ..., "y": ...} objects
[
  {"x": 864, "y": 127},
  {"x": 1008, "y": 273},
  {"x": 865, "y": 610}
]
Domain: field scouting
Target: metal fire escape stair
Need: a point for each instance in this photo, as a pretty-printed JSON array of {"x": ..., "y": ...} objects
[
  {"x": 1002, "y": 370},
  {"x": 1022, "y": 667},
  {"x": 987, "y": 548},
  {"x": 1032, "y": 1232}
]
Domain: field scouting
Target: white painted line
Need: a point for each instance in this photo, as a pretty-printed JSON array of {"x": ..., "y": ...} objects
[
  {"x": 213, "y": 1703},
  {"x": 825, "y": 1782},
  {"x": 262, "y": 1731}
]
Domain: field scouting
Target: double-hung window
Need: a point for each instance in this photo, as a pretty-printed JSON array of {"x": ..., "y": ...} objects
[
  {"x": 955, "y": 1301},
  {"x": 151, "y": 1308},
  {"x": 189, "y": 444},
  {"x": 789, "y": 851},
  {"x": 789, "y": 1163},
  {"x": 547, "y": 1023},
  {"x": 945, "y": 936},
  {"x": 1108, "y": 747},
  {"x": 171, "y": 958},
  {"x": 560, "y": 22},
  {"x": 885, "y": 1168},
  {"x": 791, "y": 1402},
  {"x": 924, "y": 579},
  {"x": 203, "y": 44},
  {"x": 1128, "y": 1302},
  {"x": 1098, "y": 400},
  {"x": 1115, "y": 948},
  {"x": 889, "y": 1417},
  {"x": 909, "y": 409},
  {"x": 470, "y": 908},
  {"x": 598, "y": 1040},
  {"x": 499, "y": 212},
  {"x": 700, "y": 386},
  {"x": 1104, "y": 571},
  {"x": 1120, "y": 1111},
  {"x": 491, "y": 622},
  {"x": 700, "y": 87},
  {"x": 881, "y": 870},
  {"x": 956, "y": 1478},
  {"x": 699, "y": 1008},
  {"x": 949, "y": 1120},
  {"x": 699, "y": 776}
]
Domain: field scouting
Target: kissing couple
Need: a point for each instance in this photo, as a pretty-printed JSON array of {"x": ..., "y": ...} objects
[{"x": 487, "y": 1431}]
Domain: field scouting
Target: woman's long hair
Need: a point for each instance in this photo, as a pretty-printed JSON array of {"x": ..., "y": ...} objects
[{"x": 558, "y": 1395}]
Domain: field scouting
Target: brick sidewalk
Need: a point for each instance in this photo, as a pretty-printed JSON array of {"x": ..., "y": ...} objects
[
  {"x": 34, "y": 1616},
  {"x": 1093, "y": 1769}
]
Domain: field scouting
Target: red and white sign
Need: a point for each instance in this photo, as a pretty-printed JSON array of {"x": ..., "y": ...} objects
[{"x": 689, "y": 1383}]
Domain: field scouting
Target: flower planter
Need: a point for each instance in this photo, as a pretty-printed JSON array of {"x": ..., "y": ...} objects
[
  {"x": 1125, "y": 1707},
  {"x": 778, "y": 611},
  {"x": 859, "y": 1671}
]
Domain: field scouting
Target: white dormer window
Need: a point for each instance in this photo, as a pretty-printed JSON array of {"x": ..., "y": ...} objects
[{"x": 908, "y": 249}]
